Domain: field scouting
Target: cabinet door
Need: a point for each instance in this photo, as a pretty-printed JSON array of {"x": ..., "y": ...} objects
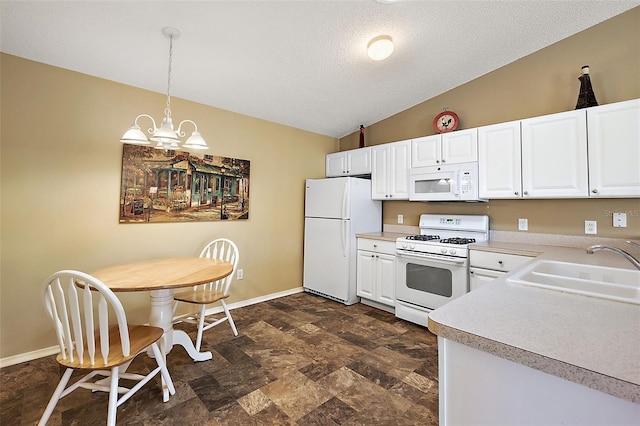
[
  {"x": 365, "y": 274},
  {"x": 614, "y": 149},
  {"x": 426, "y": 151},
  {"x": 336, "y": 164},
  {"x": 554, "y": 155},
  {"x": 480, "y": 277},
  {"x": 359, "y": 161},
  {"x": 380, "y": 172},
  {"x": 460, "y": 147},
  {"x": 499, "y": 162},
  {"x": 399, "y": 166},
  {"x": 386, "y": 289}
]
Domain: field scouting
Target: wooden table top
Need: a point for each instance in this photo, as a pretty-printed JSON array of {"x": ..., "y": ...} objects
[{"x": 160, "y": 274}]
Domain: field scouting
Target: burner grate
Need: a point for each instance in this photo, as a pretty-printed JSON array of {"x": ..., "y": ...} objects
[
  {"x": 423, "y": 237},
  {"x": 458, "y": 240}
]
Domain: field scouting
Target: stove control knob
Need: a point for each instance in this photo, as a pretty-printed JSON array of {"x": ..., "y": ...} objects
[
  {"x": 443, "y": 250},
  {"x": 404, "y": 245},
  {"x": 452, "y": 251},
  {"x": 412, "y": 246}
]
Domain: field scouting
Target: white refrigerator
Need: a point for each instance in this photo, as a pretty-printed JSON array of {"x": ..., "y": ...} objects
[{"x": 336, "y": 209}]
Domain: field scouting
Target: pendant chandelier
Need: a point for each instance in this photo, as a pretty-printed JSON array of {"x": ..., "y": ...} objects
[{"x": 165, "y": 136}]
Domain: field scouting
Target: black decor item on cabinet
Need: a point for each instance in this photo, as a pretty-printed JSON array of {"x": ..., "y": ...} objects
[
  {"x": 586, "y": 97},
  {"x": 361, "y": 144}
]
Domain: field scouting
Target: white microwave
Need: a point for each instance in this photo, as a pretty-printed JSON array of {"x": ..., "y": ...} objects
[{"x": 452, "y": 182}]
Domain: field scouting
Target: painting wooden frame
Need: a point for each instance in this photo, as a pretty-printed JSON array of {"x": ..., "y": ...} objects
[{"x": 179, "y": 186}]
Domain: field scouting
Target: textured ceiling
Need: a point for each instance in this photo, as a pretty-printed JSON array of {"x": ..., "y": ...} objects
[{"x": 298, "y": 63}]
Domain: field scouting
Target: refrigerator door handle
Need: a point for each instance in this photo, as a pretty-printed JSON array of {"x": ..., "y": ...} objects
[
  {"x": 344, "y": 198},
  {"x": 344, "y": 238}
]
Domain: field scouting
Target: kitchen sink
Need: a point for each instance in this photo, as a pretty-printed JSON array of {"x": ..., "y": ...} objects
[{"x": 590, "y": 280}]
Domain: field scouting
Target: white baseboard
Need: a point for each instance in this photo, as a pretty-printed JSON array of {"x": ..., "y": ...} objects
[
  {"x": 29, "y": 356},
  {"x": 40, "y": 353}
]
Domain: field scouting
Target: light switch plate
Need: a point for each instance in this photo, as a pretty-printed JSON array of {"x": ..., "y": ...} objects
[
  {"x": 619, "y": 220},
  {"x": 240, "y": 274},
  {"x": 400, "y": 218},
  {"x": 590, "y": 227}
]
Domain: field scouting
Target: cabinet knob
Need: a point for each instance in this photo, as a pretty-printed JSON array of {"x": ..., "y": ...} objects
[
  {"x": 500, "y": 262},
  {"x": 437, "y": 161},
  {"x": 443, "y": 161},
  {"x": 595, "y": 191},
  {"x": 516, "y": 193},
  {"x": 526, "y": 192}
]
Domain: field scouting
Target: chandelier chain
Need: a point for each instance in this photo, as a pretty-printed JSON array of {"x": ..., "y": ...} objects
[{"x": 168, "y": 110}]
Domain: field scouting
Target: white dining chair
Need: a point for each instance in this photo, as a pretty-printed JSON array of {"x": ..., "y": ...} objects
[
  {"x": 206, "y": 294},
  {"x": 79, "y": 306}
]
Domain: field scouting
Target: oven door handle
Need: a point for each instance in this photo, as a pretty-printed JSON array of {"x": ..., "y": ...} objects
[{"x": 452, "y": 261}]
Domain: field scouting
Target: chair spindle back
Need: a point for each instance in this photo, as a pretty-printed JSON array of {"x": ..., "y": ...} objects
[{"x": 68, "y": 297}]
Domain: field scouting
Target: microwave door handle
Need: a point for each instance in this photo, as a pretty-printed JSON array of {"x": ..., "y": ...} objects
[{"x": 454, "y": 186}]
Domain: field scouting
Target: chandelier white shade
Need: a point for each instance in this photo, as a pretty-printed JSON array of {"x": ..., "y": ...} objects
[
  {"x": 165, "y": 136},
  {"x": 380, "y": 47}
]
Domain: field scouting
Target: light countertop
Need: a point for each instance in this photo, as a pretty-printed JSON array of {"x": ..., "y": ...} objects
[
  {"x": 586, "y": 340},
  {"x": 384, "y": 236}
]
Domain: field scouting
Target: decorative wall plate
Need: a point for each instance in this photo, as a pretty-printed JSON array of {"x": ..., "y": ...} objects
[{"x": 446, "y": 121}]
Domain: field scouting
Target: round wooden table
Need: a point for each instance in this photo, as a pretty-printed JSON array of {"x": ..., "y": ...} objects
[{"x": 161, "y": 277}]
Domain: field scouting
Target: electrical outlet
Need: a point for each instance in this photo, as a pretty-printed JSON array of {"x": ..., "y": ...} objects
[
  {"x": 240, "y": 274},
  {"x": 619, "y": 220},
  {"x": 590, "y": 227},
  {"x": 400, "y": 218},
  {"x": 523, "y": 224}
]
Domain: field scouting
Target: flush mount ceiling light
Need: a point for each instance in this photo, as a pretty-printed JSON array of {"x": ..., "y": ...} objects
[
  {"x": 380, "y": 47},
  {"x": 165, "y": 137}
]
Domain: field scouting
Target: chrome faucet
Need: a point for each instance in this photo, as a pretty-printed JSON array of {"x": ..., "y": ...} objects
[{"x": 628, "y": 256}]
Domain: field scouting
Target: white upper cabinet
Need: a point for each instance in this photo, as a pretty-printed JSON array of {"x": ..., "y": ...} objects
[
  {"x": 460, "y": 146},
  {"x": 446, "y": 148},
  {"x": 499, "y": 161},
  {"x": 349, "y": 163},
  {"x": 614, "y": 149},
  {"x": 554, "y": 156},
  {"x": 426, "y": 151},
  {"x": 390, "y": 171}
]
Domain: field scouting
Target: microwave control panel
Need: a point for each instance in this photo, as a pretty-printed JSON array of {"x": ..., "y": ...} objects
[{"x": 466, "y": 183}]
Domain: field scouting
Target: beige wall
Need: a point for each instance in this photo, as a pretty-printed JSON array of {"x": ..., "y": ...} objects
[
  {"x": 542, "y": 83},
  {"x": 60, "y": 183}
]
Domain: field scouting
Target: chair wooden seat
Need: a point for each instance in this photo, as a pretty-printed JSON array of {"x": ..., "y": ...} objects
[
  {"x": 200, "y": 297},
  {"x": 206, "y": 294},
  {"x": 77, "y": 303},
  {"x": 140, "y": 336}
]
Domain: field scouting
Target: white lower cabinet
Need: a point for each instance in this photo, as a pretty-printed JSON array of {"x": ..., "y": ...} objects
[
  {"x": 375, "y": 276},
  {"x": 485, "y": 266},
  {"x": 478, "y": 388}
]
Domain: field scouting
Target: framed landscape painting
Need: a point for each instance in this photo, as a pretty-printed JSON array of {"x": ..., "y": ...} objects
[{"x": 178, "y": 186}]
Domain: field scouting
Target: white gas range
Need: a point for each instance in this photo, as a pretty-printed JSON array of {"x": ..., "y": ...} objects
[{"x": 432, "y": 267}]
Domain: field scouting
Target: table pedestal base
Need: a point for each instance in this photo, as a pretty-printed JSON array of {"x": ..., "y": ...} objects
[{"x": 162, "y": 316}]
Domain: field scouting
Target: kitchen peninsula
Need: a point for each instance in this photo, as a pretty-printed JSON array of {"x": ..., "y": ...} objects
[{"x": 517, "y": 354}]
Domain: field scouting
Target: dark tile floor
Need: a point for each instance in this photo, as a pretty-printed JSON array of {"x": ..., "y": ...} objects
[{"x": 298, "y": 360}]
